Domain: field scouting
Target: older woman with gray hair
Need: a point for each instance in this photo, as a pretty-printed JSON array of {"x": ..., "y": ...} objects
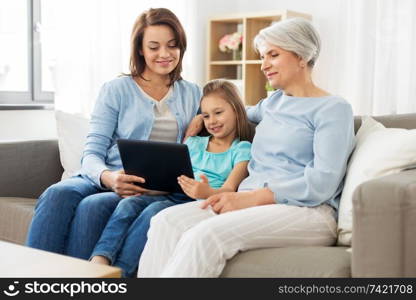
[{"x": 300, "y": 150}]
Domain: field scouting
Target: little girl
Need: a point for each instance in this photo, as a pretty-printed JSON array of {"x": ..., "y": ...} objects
[{"x": 219, "y": 160}]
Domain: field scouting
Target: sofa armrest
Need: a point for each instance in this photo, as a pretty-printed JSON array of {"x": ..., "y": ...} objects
[
  {"x": 384, "y": 227},
  {"x": 28, "y": 167}
]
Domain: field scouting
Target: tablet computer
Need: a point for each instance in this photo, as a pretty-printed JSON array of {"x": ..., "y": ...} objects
[{"x": 159, "y": 163}]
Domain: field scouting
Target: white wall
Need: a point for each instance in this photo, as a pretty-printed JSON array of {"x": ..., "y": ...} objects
[
  {"x": 327, "y": 16},
  {"x": 27, "y": 124}
]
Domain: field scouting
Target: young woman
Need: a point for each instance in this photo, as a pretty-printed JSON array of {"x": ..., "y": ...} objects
[
  {"x": 219, "y": 160},
  {"x": 153, "y": 102},
  {"x": 298, "y": 162}
]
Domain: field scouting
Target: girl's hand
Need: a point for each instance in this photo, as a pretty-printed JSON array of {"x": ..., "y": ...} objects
[
  {"x": 194, "y": 127},
  {"x": 195, "y": 189},
  {"x": 123, "y": 184},
  {"x": 229, "y": 201}
]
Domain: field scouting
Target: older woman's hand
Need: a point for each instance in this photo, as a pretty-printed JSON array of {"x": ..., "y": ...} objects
[
  {"x": 195, "y": 127},
  {"x": 123, "y": 184},
  {"x": 229, "y": 201}
]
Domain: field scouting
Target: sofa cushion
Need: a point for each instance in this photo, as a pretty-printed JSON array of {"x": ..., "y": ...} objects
[
  {"x": 290, "y": 262},
  {"x": 72, "y": 134},
  {"x": 15, "y": 217},
  {"x": 28, "y": 167},
  {"x": 379, "y": 152}
]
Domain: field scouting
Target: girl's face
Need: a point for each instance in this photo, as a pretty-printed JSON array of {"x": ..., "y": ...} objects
[
  {"x": 219, "y": 116},
  {"x": 282, "y": 68},
  {"x": 160, "y": 50}
]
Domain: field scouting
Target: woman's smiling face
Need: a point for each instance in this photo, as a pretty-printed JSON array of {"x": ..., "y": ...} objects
[
  {"x": 281, "y": 67},
  {"x": 160, "y": 50}
]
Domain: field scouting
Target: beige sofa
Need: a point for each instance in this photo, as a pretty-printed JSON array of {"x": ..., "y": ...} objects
[{"x": 384, "y": 227}]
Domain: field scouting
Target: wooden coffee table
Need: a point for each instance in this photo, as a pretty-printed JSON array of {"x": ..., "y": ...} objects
[{"x": 20, "y": 261}]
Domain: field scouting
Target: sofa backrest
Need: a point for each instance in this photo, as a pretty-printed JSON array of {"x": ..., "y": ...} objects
[{"x": 407, "y": 121}]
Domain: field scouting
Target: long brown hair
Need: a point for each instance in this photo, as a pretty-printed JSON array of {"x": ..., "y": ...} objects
[
  {"x": 151, "y": 17},
  {"x": 229, "y": 92}
]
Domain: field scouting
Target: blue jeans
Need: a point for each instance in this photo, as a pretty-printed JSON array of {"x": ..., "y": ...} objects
[
  {"x": 123, "y": 239},
  {"x": 61, "y": 222}
]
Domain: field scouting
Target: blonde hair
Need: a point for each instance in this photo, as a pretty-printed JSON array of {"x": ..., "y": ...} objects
[
  {"x": 229, "y": 92},
  {"x": 294, "y": 34}
]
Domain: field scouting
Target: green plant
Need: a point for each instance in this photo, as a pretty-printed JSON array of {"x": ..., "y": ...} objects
[{"x": 268, "y": 87}]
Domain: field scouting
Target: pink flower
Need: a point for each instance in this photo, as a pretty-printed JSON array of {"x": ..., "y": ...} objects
[{"x": 230, "y": 42}]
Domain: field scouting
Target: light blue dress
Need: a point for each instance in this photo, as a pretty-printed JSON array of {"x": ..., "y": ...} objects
[{"x": 216, "y": 166}]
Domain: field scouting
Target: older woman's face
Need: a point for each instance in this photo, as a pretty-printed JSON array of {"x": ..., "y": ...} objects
[{"x": 280, "y": 67}]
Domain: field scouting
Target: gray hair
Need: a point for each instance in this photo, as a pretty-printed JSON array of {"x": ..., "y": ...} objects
[{"x": 294, "y": 34}]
